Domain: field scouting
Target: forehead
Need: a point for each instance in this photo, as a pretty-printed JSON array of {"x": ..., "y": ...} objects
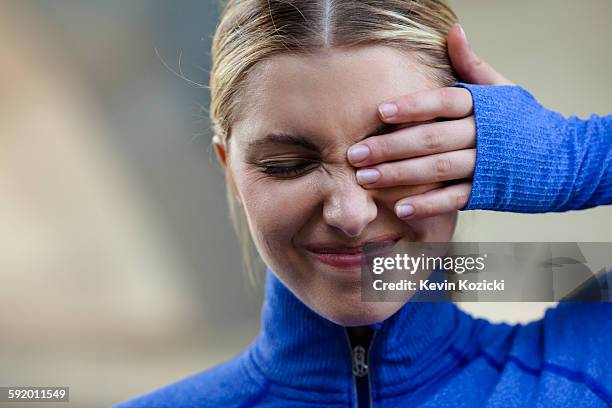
[{"x": 333, "y": 92}]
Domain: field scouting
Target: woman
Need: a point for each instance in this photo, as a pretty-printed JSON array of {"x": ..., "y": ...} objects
[{"x": 294, "y": 85}]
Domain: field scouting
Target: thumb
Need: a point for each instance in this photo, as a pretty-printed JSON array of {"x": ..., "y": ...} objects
[{"x": 467, "y": 64}]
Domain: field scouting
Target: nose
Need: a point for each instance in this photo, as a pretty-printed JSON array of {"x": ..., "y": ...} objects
[{"x": 349, "y": 207}]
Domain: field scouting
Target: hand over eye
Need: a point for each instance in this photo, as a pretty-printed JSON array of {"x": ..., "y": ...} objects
[
  {"x": 431, "y": 152},
  {"x": 423, "y": 154}
]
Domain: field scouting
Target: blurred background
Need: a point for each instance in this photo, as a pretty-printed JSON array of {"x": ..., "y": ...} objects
[{"x": 114, "y": 231}]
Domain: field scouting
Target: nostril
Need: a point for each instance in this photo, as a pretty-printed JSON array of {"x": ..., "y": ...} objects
[{"x": 354, "y": 232}]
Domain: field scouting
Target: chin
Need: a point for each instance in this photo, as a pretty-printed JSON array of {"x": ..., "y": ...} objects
[{"x": 361, "y": 314}]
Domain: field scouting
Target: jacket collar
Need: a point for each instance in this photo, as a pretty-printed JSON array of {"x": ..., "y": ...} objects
[{"x": 299, "y": 349}]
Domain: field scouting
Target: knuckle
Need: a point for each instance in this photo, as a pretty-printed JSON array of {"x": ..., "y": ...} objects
[
  {"x": 432, "y": 139},
  {"x": 428, "y": 209},
  {"x": 461, "y": 199},
  {"x": 380, "y": 148},
  {"x": 447, "y": 99},
  {"x": 393, "y": 175},
  {"x": 442, "y": 166},
  {"x": 408, "y": 104}
]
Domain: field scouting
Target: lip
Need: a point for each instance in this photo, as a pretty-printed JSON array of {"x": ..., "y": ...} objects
[{"x": 348, "y": 257}]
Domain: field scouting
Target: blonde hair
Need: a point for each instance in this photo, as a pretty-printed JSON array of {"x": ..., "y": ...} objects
[{"x": 250, "y": 31}]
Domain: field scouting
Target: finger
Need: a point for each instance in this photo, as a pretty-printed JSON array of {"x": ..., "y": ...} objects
[
  {"x": 467, "y": 64},
  {"x": 415, "y": 141},
  {"x": 435, "y": 202},
  {"x": 453, "y": 165},
  {"x": 426, "y": 105},
  {"x": 390, "y": 195}
]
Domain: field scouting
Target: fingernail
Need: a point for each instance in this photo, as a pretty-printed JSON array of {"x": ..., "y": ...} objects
[
  {"x": 388, "y": 110},
  {"x": 367, "y": 176},
  {"x": 358, "y": 153},
  {"x": 404, "y": 210}
]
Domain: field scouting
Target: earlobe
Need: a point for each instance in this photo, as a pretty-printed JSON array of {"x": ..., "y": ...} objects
[{"x": 220, "y": 150}]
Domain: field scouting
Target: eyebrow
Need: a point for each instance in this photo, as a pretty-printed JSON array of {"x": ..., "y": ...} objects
[{"x": 283, "y": 138}]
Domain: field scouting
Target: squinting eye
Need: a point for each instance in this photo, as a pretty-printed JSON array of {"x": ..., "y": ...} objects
[{"x": 287, "y": 170}]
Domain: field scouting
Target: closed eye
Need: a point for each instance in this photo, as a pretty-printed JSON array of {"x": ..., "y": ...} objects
[{"x": 288, "y": 170}]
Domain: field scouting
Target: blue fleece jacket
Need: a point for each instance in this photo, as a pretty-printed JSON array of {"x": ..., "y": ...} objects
[
  {"x": 532, "y": 160},
  {"x": 432, "y": 354}
]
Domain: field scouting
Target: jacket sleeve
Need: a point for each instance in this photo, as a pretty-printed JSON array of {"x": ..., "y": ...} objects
[{"x": 532, "y": 160}]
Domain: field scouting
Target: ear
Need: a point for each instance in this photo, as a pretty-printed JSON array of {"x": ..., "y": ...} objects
[{"x": 220, "y": 150}]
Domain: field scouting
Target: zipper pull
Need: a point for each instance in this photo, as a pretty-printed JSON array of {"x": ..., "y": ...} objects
[{"x": 360, "y": 368}]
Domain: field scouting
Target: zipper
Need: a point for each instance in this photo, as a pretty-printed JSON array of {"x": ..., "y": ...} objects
[{"x": 360, "y": 363}]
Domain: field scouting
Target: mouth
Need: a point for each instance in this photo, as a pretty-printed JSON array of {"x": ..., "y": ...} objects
[{"x": 350, "y": 257}]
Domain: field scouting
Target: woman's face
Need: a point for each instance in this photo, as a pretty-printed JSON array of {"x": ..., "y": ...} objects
[{"x": 288, "y": 157}]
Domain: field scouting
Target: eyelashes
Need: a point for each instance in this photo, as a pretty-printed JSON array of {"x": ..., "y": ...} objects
[{"x": 288, "y": 170}]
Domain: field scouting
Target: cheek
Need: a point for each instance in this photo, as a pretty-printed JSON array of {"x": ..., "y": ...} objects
[
  {"x": 440, "y": 228},
  {"x": 276, "y": 209}
]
